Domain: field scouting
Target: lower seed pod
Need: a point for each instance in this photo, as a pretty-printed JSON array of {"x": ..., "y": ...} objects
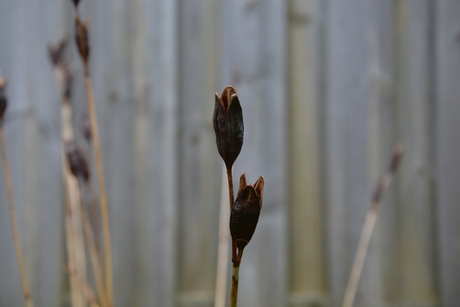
[{"x": 246, "y": 210}]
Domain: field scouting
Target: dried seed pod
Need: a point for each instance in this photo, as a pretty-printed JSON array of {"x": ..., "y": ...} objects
[
  {"x": 85, "y": 126},
  {"x": 76, "y": 2},
  {"x": 228, "y": 125},
  {"x": 3, "y": 98},
  {"x": 77, "y": 162},
  {"x": 81, "y": 38},
  {"x": 56, "y": 51},
  {"x": 67, "y": 84},
  {"x": 246, "y": 210}
]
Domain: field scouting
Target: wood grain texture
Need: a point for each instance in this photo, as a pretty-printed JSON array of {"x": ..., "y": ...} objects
[
  {"x": 352, "y": 143},
  {"x": 254, "y": 59},
  {"x": 199, "y": 166},
  {"x": 327, "y": 87},
  {"x": 308, "y": 284},
  {"x": 32, "y": 135},
  {"x": 415, "y": 85},
  {"x": 447, "y": 127}
]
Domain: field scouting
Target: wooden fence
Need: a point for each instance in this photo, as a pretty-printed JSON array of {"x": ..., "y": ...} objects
[{"x": 327, "y": 87}]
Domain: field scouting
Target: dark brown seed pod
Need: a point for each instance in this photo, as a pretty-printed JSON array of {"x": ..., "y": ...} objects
[
  {"x": 228, "y": 125},
  {"x": 3, "y": 98},
  {"x": 81, "y": 38},
  {"x": 77, "y": 162},
  {"x": 246, "y": 211}
]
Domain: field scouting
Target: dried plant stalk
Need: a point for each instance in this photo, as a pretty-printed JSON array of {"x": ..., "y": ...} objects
[
  {"x": 82, "y": 41},
  {"x": 88, "y": 293},
  {"x": 94, "y": 258},
  {"x": 368, "y": 227},
  {"x": 234, "y": 287},
  {"x": 14, "y": 223},
  {"x": 223, "y": 248},
  {"x": 101, "y": 184},
  {"x": 9, "y": 192}
]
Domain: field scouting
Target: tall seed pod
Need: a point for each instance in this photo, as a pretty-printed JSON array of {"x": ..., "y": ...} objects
[
  {"x": 228, "y": 125},
  {"x": 245, "y": 212}
]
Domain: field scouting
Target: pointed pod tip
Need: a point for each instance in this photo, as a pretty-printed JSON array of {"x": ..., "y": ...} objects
[{"x": 259, "y": 185}]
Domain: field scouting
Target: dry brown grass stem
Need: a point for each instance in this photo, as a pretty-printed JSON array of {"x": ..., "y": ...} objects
[
  {"x": 14, "y": 223},
  {"x": 368, "y": 227},
  {"x": 101, "y": 184},
  {"x": 94, "y": 258}
]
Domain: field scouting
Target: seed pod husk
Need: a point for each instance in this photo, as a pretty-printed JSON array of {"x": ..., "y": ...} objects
[
  {"x": 228, "y": 125},
  {"x": 246, "y": 210},
  {"x": 81, "y": 38},
  {"x": 56, "y": 51},
  {"x": 77, "y": 162},
  {"x": 3, "y": 98},
  {"x": 85, "y": 126}
]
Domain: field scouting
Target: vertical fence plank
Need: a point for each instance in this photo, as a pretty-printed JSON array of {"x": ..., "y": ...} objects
[
  {"x": 199, "y": 166},
  {"x": 112, "y": 35},
  {"x": 358, "y": 123},
  {"x": 32, "y": 134},
  {"x": 414, "y": 94},
  {"x": 306, "y": 67},
  {"x": 254, "y": 58},
  {"x": 155, "y": 66},
  {"x": 447, "y": 135}
]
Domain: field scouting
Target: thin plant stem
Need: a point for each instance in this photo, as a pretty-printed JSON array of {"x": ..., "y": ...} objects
[
  {"x": 232, "y": 201},
  {"x": 94, "y": 257},
  {"x": 70, "y": 244},
  {"x": 88, "y": 293},
  {"x": 234, "y": 286},
  {"x": 13, "y": 218},
  {"x": 230, "y": 187},
  {"x": 101, "y": 183},
  {"x": 223, "y": 248},
  {"x": 235, "y": 278},
  {"x": 368, "y": 228},
  {"x": 93, "y": 215},
  {"x": 75, "y": 241}
]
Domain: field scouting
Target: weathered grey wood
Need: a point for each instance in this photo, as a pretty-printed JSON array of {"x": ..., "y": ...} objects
[
  {"x": 306, "y": 71},
  {"x": 110, "y": 67},
  {"x": 199, "y": 167},
  {"x": 353, "y": 141},
  {"x": 155, "y": 83},
  {"x": 254, "y": 58},
  {"x": 33, "y": 146},
  {"x": 327, "y": 87},
  {"x": 447, "y": 129}
]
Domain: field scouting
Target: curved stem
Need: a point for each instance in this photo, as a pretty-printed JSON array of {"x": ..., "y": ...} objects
[{"x": 14, "y": 223}]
